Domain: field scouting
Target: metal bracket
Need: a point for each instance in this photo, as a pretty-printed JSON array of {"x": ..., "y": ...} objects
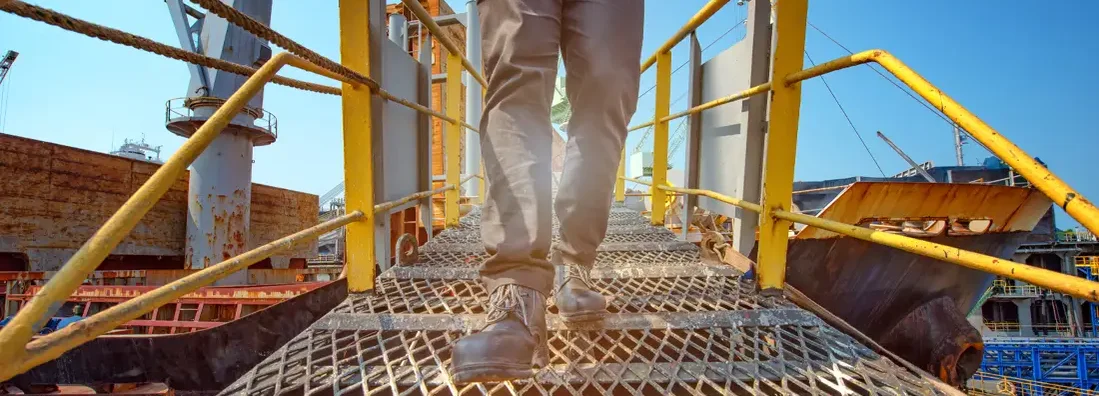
[{"x": 408, "y": 250}]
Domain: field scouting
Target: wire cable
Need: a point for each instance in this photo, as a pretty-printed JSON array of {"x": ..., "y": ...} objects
[
  {"x": 711, "y": 44},
  {"x": 906, "y": 91},
  {"x": 849, "y": 122}
]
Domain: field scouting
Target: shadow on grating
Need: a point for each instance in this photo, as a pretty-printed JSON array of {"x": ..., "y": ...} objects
[
  {"x": 612, "y": 259},
  {"x": 725, "y": 340},
  {"x": 741, "y": 360},
  {"x": 629, "y": 295}
]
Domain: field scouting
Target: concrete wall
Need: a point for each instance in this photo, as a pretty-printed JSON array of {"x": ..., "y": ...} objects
[{"x": 53, "y": 197}]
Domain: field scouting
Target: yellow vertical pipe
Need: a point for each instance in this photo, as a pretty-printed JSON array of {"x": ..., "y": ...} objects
[
  {"x": 453, "y": 133},
  {"x": 782, "y": 139},
  {"x": 660, "y": 135},
  {"x": 357, "y": 145},
  {"x": 619, "y": 184}
]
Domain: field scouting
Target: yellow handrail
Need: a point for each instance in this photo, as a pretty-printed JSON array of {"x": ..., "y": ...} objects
[
  {"x": 1037, "y": 174},
  {"x": 22, "y": 327},
  {"x": 437, "y": 31},
  {"x": 1040, "y": 277},
  {"x": 700, "y": 17},
  {"x": 52, "y": 345}
]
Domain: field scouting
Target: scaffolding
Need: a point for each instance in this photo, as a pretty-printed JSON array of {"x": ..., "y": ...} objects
[{"x": 1067, "y": 362}]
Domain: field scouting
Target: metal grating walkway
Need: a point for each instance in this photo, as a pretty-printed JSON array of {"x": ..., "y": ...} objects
[{"x": 678, "y": 325}]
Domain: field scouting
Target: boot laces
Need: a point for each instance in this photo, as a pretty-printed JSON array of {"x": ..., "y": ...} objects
[
  {"x": 579, "y": 273},
  {"x": 508, "y": 300}
]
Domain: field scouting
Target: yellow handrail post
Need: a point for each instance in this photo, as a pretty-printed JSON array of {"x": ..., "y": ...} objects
[
  {"x": 660, "y": 134},
  {"x": 619, "y": 184},
  {"x": 453, "y": 134},
  {"x": 778, "y": 180},
  {"x": 357, "y": 145}
]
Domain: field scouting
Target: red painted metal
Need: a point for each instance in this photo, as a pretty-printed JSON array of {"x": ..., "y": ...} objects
[
  {"x": 208, "y": 307},
  {"x": 160, "y": 277}
]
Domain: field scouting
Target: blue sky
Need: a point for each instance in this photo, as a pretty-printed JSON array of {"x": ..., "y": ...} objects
[{"x": 1024, "y": 67}]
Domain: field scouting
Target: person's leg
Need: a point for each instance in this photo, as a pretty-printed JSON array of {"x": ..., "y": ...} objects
[
  {"x": 601, "y": 44},
  {"x": 520, "y": 43}
]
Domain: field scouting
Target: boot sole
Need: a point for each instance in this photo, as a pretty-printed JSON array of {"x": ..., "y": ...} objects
[
  {"x": 583, "y": 317},
  {"x": 491, "y": 373}
]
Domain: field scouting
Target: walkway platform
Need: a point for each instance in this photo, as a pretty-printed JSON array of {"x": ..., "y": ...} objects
[{"x": 678, "y": 325}]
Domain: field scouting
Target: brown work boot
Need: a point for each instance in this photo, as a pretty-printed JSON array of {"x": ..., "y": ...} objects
[
  {"x": 512, "y": 342},
  {"x": 575, "y": 297}
]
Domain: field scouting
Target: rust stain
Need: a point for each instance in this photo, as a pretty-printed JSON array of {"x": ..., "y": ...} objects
[
  {"x": 55, "y": 197},
  {"x": 1008, "y": 209},
  {"x": 215, "y": 295}
]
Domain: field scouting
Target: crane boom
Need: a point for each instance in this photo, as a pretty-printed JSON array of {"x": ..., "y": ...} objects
[
  {"x": 907, "y": 158},
  {"x": 5, "y": 64}
]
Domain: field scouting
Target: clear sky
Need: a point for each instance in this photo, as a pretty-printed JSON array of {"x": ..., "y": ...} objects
[{"x": 1024, "y": 67}]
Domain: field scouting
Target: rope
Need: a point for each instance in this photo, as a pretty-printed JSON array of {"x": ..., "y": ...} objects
[
  {"x": 263, "y": 31},
  {"x": 116, "y": 36}
]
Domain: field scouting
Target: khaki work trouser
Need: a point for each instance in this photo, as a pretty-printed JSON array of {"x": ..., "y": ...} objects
[{"x": 600, "y": 41}]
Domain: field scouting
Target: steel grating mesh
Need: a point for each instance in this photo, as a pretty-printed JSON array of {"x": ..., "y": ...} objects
[
  {"x": 677, "y": 326},
  {"x": 769, "y": 360},
  {"x": 630, "y": 295},
  {"x": 602, "y": 259},
  {"x": 623, "y": 234}
]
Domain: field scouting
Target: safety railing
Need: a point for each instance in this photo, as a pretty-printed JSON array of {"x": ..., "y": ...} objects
[
  {"x": 1019, "y": 330},
  {"x": 20, "y": 350},
  {"x": 1091, "y": 262},
  {"x": 1001, "y": 288},
  {"x": 778, "y": 178},
  {"x": 184, "y": 109}
]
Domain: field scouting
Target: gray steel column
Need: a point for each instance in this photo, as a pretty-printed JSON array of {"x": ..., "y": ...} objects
[
  {"x": 398, "y": 30},
  {"x": 473, "y": 98},
  {"x": 220, "y": 188},
  {"x": 759, "y": 34},
  {"x": 694, "y": 135},
  {"x": 426, "y": 208}
]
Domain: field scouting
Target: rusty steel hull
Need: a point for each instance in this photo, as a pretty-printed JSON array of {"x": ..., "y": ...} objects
[
  {"x": 202, "y": 360},
  {"x": 873, "y": 287}
]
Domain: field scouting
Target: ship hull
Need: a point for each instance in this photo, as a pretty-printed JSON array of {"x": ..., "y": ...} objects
[{"x": 872, "y": 286}]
